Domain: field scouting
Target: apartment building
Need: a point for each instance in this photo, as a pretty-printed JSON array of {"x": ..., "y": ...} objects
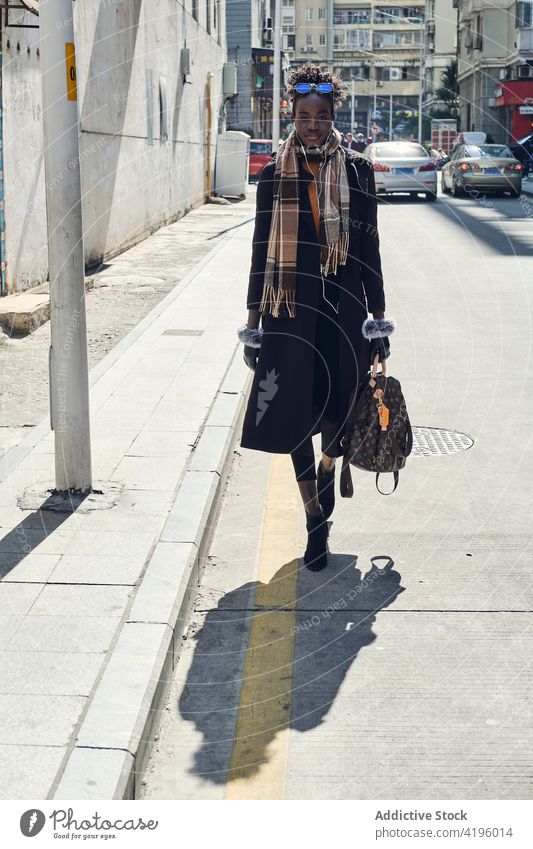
[
  {"x": 376, "y": 48},
  {"x": 440, "y": 46},
  {"x": 495, "y": 67}
]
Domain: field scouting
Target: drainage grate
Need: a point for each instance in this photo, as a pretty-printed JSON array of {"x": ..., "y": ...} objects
[
  {"x": 172, "y": 332},
  {"x": 431, "y": 441}
]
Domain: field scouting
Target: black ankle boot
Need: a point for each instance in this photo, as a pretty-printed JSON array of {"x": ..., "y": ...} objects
[
  {"x": 316, "y": 553},
  {"x": 325, "y": 484}
]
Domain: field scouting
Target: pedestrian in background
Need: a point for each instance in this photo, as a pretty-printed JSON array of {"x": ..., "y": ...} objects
[
  {"x": 315, "y": 271},
  {"x": 359, "y": 143}
]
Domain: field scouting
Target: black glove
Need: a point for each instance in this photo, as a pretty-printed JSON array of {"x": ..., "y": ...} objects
[
  {"x": 380, "y": 346},
  {"x": 250, "y": 356}
]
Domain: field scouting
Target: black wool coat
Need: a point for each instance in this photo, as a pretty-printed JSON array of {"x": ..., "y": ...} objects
[{"x": 280, "y": 412}]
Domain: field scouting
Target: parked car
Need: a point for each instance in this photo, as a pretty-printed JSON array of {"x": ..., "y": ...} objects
[
  {"x": 402, "y": 166},
  {"x": 490, "y": 167},
  {"x": 260, "y": 154},
  {"x": 523, "y": 151}
]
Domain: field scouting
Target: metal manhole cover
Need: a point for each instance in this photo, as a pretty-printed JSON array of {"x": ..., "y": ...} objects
[{"x": 433, "y": 441}]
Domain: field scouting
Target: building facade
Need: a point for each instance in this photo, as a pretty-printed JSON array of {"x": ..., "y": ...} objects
[
  {"x": 375, "y": 47},
  {"x": 495, "y": 67},
  {"x": 440, "y": 47},
  {"x": 149, "y": 77}
]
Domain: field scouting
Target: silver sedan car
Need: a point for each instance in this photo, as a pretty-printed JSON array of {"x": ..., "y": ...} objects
[
  {"x": 485, "y": 167},
  {"x": 401, "y": 166}
]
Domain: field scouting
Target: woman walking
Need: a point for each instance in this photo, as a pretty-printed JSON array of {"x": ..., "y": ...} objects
[{"x": 315, "y": 275}]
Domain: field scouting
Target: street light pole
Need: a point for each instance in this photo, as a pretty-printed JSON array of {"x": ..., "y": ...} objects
[
  {"x": 69, "y": 376},
  {"x": 420, "y": 98},
  {"x": 353, "y": 105},
  {"x": 276, "y": 94},
  {"x": 390, "y": 116}
]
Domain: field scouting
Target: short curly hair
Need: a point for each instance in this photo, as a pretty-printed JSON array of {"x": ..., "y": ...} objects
[{"x": 310, "y": 73}]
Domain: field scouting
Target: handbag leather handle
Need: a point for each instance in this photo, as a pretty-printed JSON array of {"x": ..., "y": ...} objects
[
  {"x": 346, "y": 485},
  {"x": 375, "y": 367}
]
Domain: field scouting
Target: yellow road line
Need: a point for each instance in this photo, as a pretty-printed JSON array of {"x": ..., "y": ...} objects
[{"x": 258, "y": 763}]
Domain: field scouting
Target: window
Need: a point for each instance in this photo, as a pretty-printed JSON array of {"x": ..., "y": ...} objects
[
  {"x": 396, "y": 39},
  {"x": 309, "y": 40},
  {"x": 208, "y": 15},
  {"x": 322, "y": 13},
  {"x": 194, "y": 9},
  {"x": 308, "y": 15},
  {"x": 351, "y": 15},
  {"x": 387, "y": 15},
  {"x": 287, "y": 17},
  {"x": 322, "y": 39},
  {"x": 291, "y": 41},
  {"x": 352, "y": 39},
  {"x": 524, "y": 15}
]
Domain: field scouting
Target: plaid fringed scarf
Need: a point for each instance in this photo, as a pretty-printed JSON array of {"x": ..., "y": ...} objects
[{"x": 279, "y": 289}]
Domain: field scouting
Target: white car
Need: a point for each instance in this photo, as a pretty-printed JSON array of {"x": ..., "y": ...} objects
[{"x": 402, "y": 166}]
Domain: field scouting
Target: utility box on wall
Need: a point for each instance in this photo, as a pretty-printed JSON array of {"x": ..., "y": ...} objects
[
  {"x": 229, "y": 79},
  {"x": 232, "y": 164}
]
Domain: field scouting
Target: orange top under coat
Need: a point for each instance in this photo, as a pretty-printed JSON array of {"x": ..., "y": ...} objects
[{"x": 313, "y": 167}]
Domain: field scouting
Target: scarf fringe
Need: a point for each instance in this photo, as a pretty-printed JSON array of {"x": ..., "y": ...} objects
[
  {"x": 336, "y": 255},
  {"x": 280, "y": 303}
]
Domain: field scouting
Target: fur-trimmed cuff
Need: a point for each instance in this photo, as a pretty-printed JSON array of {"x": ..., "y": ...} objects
[
  {"x": 250, "y": 336},
  {"x": 377, "y": 328}
]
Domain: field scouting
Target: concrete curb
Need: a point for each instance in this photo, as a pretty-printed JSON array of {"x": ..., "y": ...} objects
[{"x": 116, "y": 734}]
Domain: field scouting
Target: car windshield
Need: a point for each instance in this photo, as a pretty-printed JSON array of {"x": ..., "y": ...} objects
[
  {"x": 495, "y": 150},
  {"x": 261, "y": 147},
  {"x": 400, "y": 151}
]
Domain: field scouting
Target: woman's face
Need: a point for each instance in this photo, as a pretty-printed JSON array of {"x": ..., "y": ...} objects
[{"x": 313, "y": 118}]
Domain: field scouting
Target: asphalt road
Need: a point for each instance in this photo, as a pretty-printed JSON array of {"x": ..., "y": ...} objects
[{"x": 414, "y": 682}]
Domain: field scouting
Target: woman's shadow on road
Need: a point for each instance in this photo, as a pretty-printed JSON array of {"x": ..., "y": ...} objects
[{"x": 273, "y": 656}]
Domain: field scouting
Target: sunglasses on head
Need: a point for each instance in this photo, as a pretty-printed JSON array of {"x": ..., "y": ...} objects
[{"x": 322, "y": 88}]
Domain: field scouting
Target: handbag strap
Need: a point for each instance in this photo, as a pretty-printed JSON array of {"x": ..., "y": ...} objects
[
  {"x": 346, "y": 485},
  {"x": 396, "y": 481}
]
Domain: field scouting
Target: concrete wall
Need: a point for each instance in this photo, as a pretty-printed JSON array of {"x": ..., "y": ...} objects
[
  {"x": 25, "y": 206},
  {"x": 127, "y": 52}
]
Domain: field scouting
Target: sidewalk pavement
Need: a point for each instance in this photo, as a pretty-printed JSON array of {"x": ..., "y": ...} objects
[{"x": 93, "y": 601}]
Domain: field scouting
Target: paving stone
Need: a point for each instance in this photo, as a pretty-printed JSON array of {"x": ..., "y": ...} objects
[
  {"x": 9, "y": 624},
  {"x": 64, "y": 633},
  {"x": 110, "y": 543},
  {"x": 81, "y": 600},
  {"x": 17, "y": 599},
  {"x": 39, "y": 720},
  {"x": 34, "y": 567},
  {"x": 96, "y": 774},
  {"x": 28, "y": 771},
  {"x": 99, "y": 569},
  {"x": 152, "y": 472},
  {"x": 49, "y": 673},
  {"x": 160, "y": 443}
]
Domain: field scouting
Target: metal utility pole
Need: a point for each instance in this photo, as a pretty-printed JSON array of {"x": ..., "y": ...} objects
[
  {"x": 69, "y": 378},
  {"x": 420, "y": 92},
  {"x": 390, "y": 117},
  {"x": 276, "y": 93},
  {"x": 353, "y": 106}
]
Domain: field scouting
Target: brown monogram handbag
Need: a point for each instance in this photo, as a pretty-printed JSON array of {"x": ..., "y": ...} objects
[{"x": 378, "y": 436}]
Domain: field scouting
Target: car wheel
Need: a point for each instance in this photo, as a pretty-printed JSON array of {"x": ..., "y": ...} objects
[
  {"x": 443, "y": 185},
  {"x": 431, "y": 196},
  {"x": 456, "y": 191}
]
